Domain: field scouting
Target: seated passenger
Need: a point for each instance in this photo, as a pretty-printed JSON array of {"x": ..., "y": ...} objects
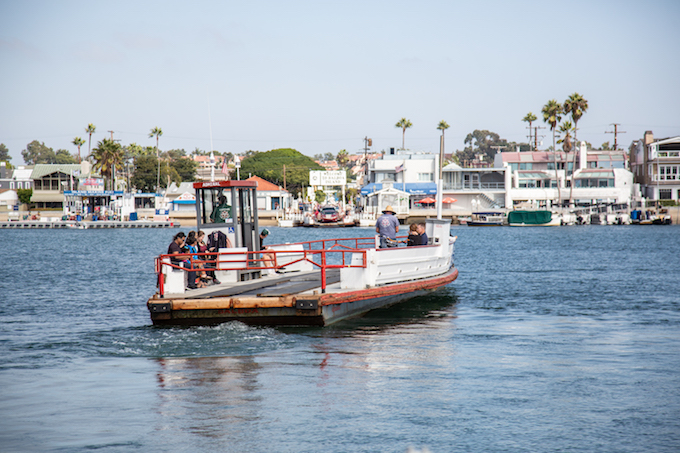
[{"x": 413, "y": 236}]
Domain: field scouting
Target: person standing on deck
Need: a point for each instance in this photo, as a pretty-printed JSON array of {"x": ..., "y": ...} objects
[{"x": 387, "y": 226}]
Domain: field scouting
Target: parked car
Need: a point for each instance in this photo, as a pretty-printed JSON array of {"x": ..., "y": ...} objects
[{"x": 328, "y": 214}]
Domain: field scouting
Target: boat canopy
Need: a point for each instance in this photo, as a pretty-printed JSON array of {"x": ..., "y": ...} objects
[{"x": 529, "y": 217}]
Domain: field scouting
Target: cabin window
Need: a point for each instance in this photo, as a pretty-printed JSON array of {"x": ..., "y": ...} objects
[{"x": 216, "y": 205}]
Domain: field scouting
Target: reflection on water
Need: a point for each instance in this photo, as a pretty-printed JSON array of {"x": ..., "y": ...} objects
[{"x": 210, "y": 392}]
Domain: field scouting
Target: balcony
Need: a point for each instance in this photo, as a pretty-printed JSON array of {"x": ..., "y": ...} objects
[{"x": 474, "y": 186}]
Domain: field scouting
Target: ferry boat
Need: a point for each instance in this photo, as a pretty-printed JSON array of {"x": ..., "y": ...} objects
[{"x": 304, "y": 283}]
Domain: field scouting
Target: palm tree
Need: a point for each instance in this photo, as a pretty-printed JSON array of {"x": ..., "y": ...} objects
[
  {"x": 90, "y": 130},
  {"x": 403, "y": 124},
  {"x": 576, "y": 106},
  {"x": 530, "y": 118},
  {"x": 78, "y": 142},
  {"x": 107, "y": 156},
  {"x": 552, "y": 114},
  {"x": 156, "y": 131}
]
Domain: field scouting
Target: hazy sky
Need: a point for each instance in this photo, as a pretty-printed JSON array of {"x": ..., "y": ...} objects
[{"x": 319, "y": 76}]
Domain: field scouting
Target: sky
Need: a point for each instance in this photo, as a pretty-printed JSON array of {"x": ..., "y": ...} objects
[{"x": 320, "y": 76}]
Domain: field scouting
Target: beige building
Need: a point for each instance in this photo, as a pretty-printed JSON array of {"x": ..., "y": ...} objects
[{"x": 656, "y": 167}]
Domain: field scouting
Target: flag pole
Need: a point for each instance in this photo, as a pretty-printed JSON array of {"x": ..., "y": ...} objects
[{"x": 440, "y": 182}]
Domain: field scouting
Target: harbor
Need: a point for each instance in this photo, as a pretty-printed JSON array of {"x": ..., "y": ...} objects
[{"x": 560, "y": 340}]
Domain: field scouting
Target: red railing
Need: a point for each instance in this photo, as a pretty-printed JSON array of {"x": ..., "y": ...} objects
[{"x": 315, "y": 252}]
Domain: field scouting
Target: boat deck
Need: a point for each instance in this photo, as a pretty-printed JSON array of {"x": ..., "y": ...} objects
[{"x": 274, "y": 285}]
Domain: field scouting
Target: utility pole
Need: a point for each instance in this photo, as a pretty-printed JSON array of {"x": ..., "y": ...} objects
[
  {"x": 615, "y": 132},
  {"x": 368, "y": 142},
  {"x": 111, "y": 132},
  {"x": 536, "y": 128}
]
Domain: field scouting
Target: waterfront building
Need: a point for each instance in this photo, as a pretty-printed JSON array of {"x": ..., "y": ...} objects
[
  {"x": 656, "y": 167},
  {"x": 475, "y": 189},
  {"x": 532, "y": 178},
  {"x": 407, "y": 171},
  {"x": 270, "y": 197}
]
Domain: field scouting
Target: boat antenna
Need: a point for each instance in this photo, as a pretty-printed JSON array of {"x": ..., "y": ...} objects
[{"x": 212, "y": 157}]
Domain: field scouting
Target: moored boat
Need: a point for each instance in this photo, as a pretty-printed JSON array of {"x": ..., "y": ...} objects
[
  {"x": 304, "y": 283},
  {"x": 486, "y": 219},
  {"x": 533, "y": 218}
]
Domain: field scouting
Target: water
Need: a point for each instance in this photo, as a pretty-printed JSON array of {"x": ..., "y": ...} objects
[{"x": 551, "y": 340}]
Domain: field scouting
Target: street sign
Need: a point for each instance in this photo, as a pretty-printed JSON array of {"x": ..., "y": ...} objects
[{"x": 327, "y": 178}]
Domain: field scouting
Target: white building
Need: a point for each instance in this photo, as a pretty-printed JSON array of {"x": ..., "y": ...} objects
[{"x": 409, "y": 171}]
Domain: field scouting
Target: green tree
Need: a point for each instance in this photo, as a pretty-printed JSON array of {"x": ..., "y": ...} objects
[
  {"x": 144, "y": 173},
  {"x": 4, "y": 153},
  {"x": 485, "y": 143},
  {"x": 403, "y": 124},
  {"x": 64, "y": 157},
  {"x": 38, "y": 153},
  {"x": 529, "y": 118},
  {"x": 89, "y": 130},
  {"x": 552, "y": 114},
  {"x": 175, "y": 154},
  {"x": 78, "y": 142},
  {"x": 575, "y": 105},
  {"x": 24, "y": 195},
  {"x": 157, "y": 132},
  {"x": 342, "y": 158},
  {"x": 319, "y": 196},
  {"x": 269, "y": 165},
  {"x": 107, "y": 157},
  {"x": 185, "y": 168},
  {"x": 605, "y": 146}
]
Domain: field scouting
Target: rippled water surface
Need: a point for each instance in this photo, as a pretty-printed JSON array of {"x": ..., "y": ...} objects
[{"x": 552, "y": 340}]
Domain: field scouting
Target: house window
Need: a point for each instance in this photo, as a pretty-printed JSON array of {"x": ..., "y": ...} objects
[
  {"x": 526, "y": 166},
  {"x": 11, "y": 185},
  {"x": 513, "y": 167},
  {"x": 668, "y": 172},
  {"x": 665, "y": 194},
  {"x": 19, "y": 185},
  {"x": 551, "y": 165},
  {"x": 425, "y": 177}
]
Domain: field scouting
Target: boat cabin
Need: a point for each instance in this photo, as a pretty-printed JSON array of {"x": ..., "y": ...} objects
[{"x": 231, "y": 208}]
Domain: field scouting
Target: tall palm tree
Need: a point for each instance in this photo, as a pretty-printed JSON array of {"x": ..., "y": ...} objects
[
  {"x": 107, "y": 156},
  {"x": 530, "y": 118},
  {"x": 157, "y": 132},
  {"x": 90, "y": 130},
  {"x": 78, "y": 142},
  {"x": 552, "y": 114},
  {"x": 576, "y": 106},
  {"x": 403, "y": 124}
]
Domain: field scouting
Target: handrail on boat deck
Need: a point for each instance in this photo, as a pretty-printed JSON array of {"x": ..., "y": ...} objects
[{"x": 255, "y": 260}]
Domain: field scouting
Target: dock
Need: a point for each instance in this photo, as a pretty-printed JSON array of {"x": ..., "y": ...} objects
[{"x": 85, "y": 224}]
